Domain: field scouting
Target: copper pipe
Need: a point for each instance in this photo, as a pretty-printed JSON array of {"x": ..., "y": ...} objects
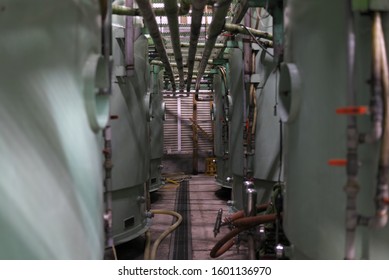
[
  {"x": 255, "y": 220},
  {"x": 240, "y": 214},
  {"x": 224, "y": 244}
]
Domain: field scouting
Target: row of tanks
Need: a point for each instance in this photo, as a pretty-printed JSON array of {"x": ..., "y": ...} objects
[
  {"x": 319, "y": 124},
  {"x": 301, "y": 131}
]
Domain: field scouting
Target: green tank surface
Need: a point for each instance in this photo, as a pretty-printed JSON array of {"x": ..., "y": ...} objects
[
  {"x": 51, "y": 183},
  {"x": 220, "y": 114},
  {"x": 315, "y": 198},
  {"x": 156, "y": 129}
]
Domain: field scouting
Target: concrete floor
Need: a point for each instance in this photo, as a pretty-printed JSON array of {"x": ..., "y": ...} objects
[{"x": 205, "y": 199}]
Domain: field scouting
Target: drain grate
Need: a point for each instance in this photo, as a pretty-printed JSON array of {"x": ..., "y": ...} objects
[{"x": 181, "y": 242}]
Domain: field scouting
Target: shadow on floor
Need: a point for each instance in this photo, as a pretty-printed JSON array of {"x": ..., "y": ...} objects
[
  {"x": 223, "y": 194},
  {"x": 155, "y": 196},
  {"x": 132, "y": 250}
]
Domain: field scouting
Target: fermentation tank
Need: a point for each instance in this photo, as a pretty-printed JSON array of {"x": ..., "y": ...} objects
[
  {"x": 220, "y": 115},
  {"x": 313, "y": 86},
  {"x": 156, "y": 128},
  {"x": 51, "y": 118},
  {"x": 262, "y": 162},
  {"x": 130, "y": 136}
]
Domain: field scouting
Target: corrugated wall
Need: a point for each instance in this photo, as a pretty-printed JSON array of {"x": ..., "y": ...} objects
[{"x": 178, "y": 132}]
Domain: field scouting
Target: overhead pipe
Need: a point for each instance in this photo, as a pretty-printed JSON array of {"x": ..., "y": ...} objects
[
  {"x": 171, "y": 10},
  {"x": 237, "y": 28},
  {"x": 215, "y": 28},
  {"x": 160, "y": 63},
  {"x": 201, "y": 45},
  {"x": 184, "y": 7},
  {"x": 126, "y": 11},
  {"x": 149, "y": 18},
  {"x": 197, "y": 16}
]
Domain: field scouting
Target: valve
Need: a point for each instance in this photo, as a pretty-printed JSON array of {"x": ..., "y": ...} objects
[{"x": 218, "y": 222}]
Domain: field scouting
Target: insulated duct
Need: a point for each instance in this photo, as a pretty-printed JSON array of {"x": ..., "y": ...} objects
[
  {"x": 215, "y": 28},
  {"x": 195, "y": 27},
  {"x": 171, "y": 10},
  {"x": 149, "y": 18}
]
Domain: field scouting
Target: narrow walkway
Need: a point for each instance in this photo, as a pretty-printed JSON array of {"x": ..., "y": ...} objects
[{"x": 198, "y": 203}]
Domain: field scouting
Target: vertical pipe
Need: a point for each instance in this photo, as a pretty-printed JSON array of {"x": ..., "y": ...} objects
[
  {"x": 351, "y": 187},
  {"x": 278, "y": 32},
  {"x": 171, "y": 10},
  {"x": 179, "y": 124},
  {"x": 108, "y": 186},
  {"x": 195, "y": 27},
  {"x": 195, "y": 140},
  {"x": 382, "y": 191},
  {"x": 129, "y": 41},
  {"x": 247, "y": 51},
  {"x": 251, "y": 211},
  {"x": 149, "y": 18}
]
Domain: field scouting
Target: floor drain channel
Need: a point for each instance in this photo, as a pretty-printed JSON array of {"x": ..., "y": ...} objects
[{"x": 181, "y": 242}]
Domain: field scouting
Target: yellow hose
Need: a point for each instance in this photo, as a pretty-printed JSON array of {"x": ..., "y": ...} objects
[
  {"x": 153, "y": 254},
  {"x": 114, "y": 252},
  {"x": 147, "y": 245},
  {"x": 172, "y": 181}
]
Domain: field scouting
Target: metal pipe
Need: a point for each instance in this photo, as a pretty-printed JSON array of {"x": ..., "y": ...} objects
[
  {"x": 160, "y": 63},
  {"x": 201, "y": 45},
  {"x": 376, "y": 105},
  {"x": 129, "y": 43},
  {"x": 151, "y": 23},
  {"x": 237, "y": 28},
  {"x": 382, "y": 193},
  {"x": 215, "y": 28},
  {"x": 224, "y": 244},
  {"x": 197, "y": 16},
  {"x": 171, "y": 10},
  {"x": 184, "y": 7},
  {"x": 351, "y": 187},
  {"x": 125, "y": 11}
]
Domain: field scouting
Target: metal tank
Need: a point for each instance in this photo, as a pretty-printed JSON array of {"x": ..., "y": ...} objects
[
  {"x": 267, "y": 170},
  {"x": 238, "y": 96},
  {"x": 156, "y": 129},
  {"x": 315, "y": 82},
  {"x": 51, "y": 184},
  {"x": 130, "y": 138},
  {"x": 261, "y": 164},
  {"x": 220, "y": 113}
]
